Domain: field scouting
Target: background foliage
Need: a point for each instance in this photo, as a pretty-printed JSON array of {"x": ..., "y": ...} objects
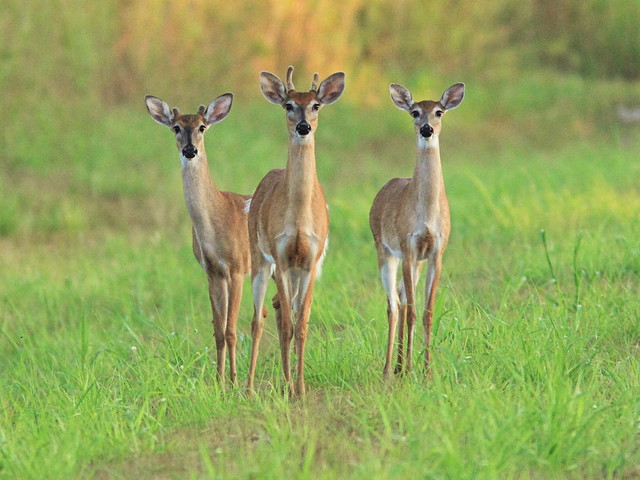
[{"x": 117, "y": 49}]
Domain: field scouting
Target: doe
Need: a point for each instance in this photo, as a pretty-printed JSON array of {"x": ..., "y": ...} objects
[
  {"x": 220, "y": 236},
  {"x": 410, "y": 223}
]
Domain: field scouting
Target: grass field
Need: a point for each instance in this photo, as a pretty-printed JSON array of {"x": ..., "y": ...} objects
[{"x": 106, "y": 339}]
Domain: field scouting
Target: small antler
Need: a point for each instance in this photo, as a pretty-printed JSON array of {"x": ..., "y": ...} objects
[
  {"x": 290, "y": 86},
  {"x": 314, "y": 82},
  {"x": 176, "y": 112},
  {"x": 201, "y": 109}
]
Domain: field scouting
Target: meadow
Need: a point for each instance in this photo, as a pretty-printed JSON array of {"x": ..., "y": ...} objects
[
  {"x": 106, "y": 344},
  {"x": 107, "y": 341}
]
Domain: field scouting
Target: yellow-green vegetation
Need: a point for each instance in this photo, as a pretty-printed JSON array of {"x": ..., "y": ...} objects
[{"x": 106, "y": 343}]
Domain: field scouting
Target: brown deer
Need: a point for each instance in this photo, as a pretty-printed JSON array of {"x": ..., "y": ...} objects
[
  {"x": 220, "y": 236},
  {"x": 410, "y": 223},
  {"x": 289, "y": 222}
]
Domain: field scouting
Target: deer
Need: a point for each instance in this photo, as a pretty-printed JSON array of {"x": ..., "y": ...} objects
[
  {"x": 410, "y": 223},
  {"x": 289, "y": 223},
  {"x": 219, "y": 222}
]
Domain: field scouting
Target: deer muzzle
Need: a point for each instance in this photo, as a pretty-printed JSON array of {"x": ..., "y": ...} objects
[
  {"x": 426, "y": 130},
  {"x": 189, "y": 151},
  {"x": 303, "y": 128}
]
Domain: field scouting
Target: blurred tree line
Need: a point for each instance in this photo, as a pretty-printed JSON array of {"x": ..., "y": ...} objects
[{"x": 114, "y": 51}]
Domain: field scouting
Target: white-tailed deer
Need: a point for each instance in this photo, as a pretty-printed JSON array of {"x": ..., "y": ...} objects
[
  {"x": 220, "y": 236},
  {"x": 289, "y": 223},
  {"x": 410, "y": 223}
]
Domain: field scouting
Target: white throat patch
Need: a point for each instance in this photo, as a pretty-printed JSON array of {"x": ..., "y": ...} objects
[
  {"x": 184, "y": 161},
  {"x": 430, "y": 142}
]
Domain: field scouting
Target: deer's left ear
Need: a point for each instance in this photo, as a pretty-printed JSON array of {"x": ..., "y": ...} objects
[
  {"x": 452, "y": 97},
  {"x": 218, "y": 109},
  {"x": 331, "y": 88}
]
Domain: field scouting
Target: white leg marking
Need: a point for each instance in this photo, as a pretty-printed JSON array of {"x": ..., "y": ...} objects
[
  {"x": 388, "y": 275},
  {"x": 302, "y": 281},
  {"x": 402, "y": 293},
  {"x": 259, "y": 285},
  {"x": 322, "y": 257}
]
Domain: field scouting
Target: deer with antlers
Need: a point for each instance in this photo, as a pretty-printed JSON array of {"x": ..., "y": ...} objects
[
  {"x": 410, "y": 223},
  {"x": 220, "y": 236},
  {"x": 289, "y": 222}
]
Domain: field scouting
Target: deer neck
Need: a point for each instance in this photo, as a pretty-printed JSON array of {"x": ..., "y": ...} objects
[
  {"x": 200, "y": 193},
  {"x": 300, "y": 179},
  {"x": 427, "y": 183}
]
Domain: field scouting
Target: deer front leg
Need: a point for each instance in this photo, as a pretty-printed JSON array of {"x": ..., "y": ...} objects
[
  {"x": 235, "y": 295},
  {"x": 433, "y": 277},
  {"x": 219, "y": 297},
  {"x": 285, "y": 323},
  {"x": 305, "y": 297},
  {"x": 388, "y": 272}
]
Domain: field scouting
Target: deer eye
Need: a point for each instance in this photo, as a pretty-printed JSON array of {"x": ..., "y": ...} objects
[
  {"x": 439, "y": 113},
  {"x": 202, "y": 128},
  {"x": 288, "y": 107},
  {"x": 176, "y": 128},
  {"x": 415, "y": 114},
  {"x": 316, "y": 106}
]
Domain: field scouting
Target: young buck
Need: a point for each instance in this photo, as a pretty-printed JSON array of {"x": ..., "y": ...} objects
[
  {"x": 220, "y": 236},
  {"x": 410, "y": 223},
  {"x": 288, "y": 222}
]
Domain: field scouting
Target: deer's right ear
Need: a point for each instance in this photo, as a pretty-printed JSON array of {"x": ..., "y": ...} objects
[
  {"x": 159, "y": 110},
  {"x": 401, "y": 97},
  {"x": 272, "y": 88}
]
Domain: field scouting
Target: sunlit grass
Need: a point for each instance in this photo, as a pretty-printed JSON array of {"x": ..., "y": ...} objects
[{"x": 107, "y": 340}]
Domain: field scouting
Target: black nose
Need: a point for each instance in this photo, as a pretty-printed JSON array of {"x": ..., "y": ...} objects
[
  {"x": 189, "y": 151},
  {"x": 303, "y": 128},
  {"x": 426, "y": 130}
]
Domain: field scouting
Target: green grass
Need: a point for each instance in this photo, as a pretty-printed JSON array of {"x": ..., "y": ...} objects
[{"x": 106, "y": 339}]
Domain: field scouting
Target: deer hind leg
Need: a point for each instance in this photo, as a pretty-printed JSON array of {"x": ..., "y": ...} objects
[
  {"x": 275, "y": 303},
  {"x": 388, "y": 275},
  {"x": 431, "y": 284},
  {"x": 219, "y": 297},
  {"x": 235, "y": 295},
  {"x": 259, "y": 283},
  {"x": 402, "y": 319}
]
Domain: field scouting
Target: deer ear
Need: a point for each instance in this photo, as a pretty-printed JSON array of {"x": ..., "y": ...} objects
[
  {"x": 331, "y": 88},
  {"x": 401, "y": 97},
  {"x": 272, "y": 88},
  {"x": 159, "y": 110},
  {"x": 452, "y": 97},
  {"x": 218, "y": 109}
]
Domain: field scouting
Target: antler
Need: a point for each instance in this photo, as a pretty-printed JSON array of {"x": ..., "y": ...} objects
[
  {"x": 176, "y": 112},
  {"x": 314, "y": 83},
  {"x": 201, "y": 110},
  {"x": 290, "y": 86}
]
